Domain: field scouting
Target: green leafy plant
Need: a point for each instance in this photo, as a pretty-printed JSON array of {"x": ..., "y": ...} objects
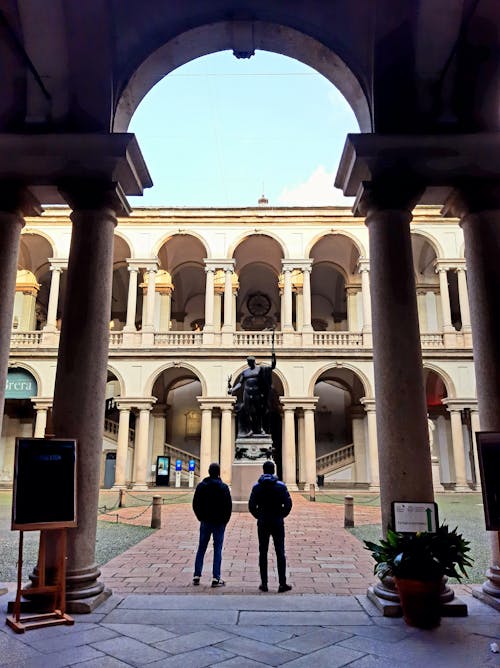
[{"x": 421, "y": 556}]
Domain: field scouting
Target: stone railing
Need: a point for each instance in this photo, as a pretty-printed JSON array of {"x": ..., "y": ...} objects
[
  {"x": 338, "y": 339},
  {"x": 248, "y": 340},
  {"x": 434, "y": 340},
  {"x": 335, "y": 460},
  {"x": 176, "y": 453},
  {"x": 25, "y": 339},
  {"x": 111, "y": 430},
  {"x": 257, "y": 339},
  {"x": 178, "y": 339}
]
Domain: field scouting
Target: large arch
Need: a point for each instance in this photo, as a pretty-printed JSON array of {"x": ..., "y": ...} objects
[
  {"x": 363, "y": 378},
  {"x": 152, "y": 378},
  {"x": 225, "y": 35}
]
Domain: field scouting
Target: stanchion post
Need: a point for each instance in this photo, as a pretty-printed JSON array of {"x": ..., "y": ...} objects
[
  {"x": 156, "y": 513},
  {"x": 348, "y": 511},
  {"x": 121, "y": 494},
  {"x": 312, "y": 492}
]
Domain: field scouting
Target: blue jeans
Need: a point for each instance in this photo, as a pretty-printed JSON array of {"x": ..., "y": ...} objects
[{"x": 208, "y": 529}]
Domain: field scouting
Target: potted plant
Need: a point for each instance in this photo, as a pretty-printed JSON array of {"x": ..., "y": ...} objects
[{"x": 418, "y": 562}]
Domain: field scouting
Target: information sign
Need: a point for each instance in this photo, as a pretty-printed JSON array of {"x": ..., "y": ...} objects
[
  {"x": 44, "y": 495},
  {"x": 178, "y": 464},
  {"x": 410, "y": 517},
  {"x": 191, "y": 464}
]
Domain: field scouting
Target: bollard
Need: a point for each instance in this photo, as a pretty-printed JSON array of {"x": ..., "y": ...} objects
[
  {"x": 121, "y": 494},
  {"x": 156, "y": 513},
  {"x": 312, "y": 492},
  {"x": 348, "y": 511}
]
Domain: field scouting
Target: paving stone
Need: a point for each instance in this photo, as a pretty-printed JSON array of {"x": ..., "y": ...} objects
[
  {"x": 190, "y": 641},
  {"x": 310, "y": 642},
  {"x": 171, "y": 617},
  {"x": 241, "y": 662},
  {"x": 304, "y": 618},
  {"x": 198, "y": 658},
  {"x": 143, "y": 632},
  {"x": 129, "y": 650},
  {"x": 259, "y": 651},
  {"x": 389, "y": 634},
  {"x": 263, "y": 633},
  {"x": 329, "y": 657},
  {"x": 377, "y": 662},
  {"x": 103, "y": 662},
  {"x": 58, "y": 659},
  {"x": 12, "y": 649},
  {"x": 76, "y": 639}
]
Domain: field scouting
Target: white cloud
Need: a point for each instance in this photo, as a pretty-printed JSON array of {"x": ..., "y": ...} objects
[{"x": 317, "y": 190}]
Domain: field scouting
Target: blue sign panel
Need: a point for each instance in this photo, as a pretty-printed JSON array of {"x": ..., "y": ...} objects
[
  {"x": 178, "y": 464},
  {"x": 191, "y": 464},
  {"x": 20, "y": 385}
]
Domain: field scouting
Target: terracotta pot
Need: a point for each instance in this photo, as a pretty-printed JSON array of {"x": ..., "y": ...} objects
[{"x": 420, "y": 602}]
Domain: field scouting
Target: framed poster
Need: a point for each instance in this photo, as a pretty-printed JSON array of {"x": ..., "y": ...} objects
[
  {"x": 411, "y": 517},
  {"x": 488, "y": 454},
  {"x": 44, "y": 495}
]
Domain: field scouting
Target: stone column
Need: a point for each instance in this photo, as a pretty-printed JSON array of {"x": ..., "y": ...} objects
[
  {"x": 301, "y": 439},
  {"x": 226, "y": 441},
  {"x": 478, "y": 207},
  {"x": 12, "y": 208},
  {"x": 228, "y": 300},
  {"x": 165, "y": 309},
  {"x": 42, "y": 407},
  {"x": 132, "y": 298},
  {"x": 310, "y": 443},
  {"x": 141, "y": 463},
  {"x": 463, "y": 299},
  {"x": 373, "y": 464},
  {"x": 457, "y": 438},
  {"x": 287, "y": 299},
  {"x": 80, "y": 384},
  {"x": 205, "y": 438},
  {"x": 359, "y": 442},
  {"x": 159, "y": 426},
  {"x": 404, "y": 457},
  {"x": 208, "y": 329},
  {"x": 352, "y": 312},
  {"x": 449, "y": 332},
  {"x": 288, "y": 461},
  {"x": 55, "y": 279},
  {"x": 148, "y": 326},
  {"x": 215, "y": 437},
  {"x": 364, "y": 270},
  {"x": 306, "y": 297},
  {"x": 122, "y": 446}
]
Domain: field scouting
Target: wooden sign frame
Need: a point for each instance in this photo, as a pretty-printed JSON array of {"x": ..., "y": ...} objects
[{"x": 44, "y": 492}]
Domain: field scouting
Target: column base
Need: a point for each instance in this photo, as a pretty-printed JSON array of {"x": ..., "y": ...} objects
[
  {"x": 139, "y": 487},
  {"x": 208, "y": 337},
  {"x": 227, "y": 337},
  {"x": 483, "y": 596},
  {"x": 82, "y": 606},
  {"x": 131, "y": 339},
  {"x": 387, "y": 602},
  {"x": 307, "y": 337},
  {"x": 367, "y": 340},
  {"x": 450, "y": 339},
  {"x": 148, "y": 338}
]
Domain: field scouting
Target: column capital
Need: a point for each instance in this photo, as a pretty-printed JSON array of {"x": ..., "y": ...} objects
[
  {"x": 58, "y": 264},
  {"x": 141, "y": 403},
  {"x": 444, "y": 265},
  {"x": 369, "y": 404},
  {"x": 147, "y": 263},
  {"x": 472, "y": 197},
  {"x": 212, "y": 264},
  {"x": 87, "y": 194},
  {"x": 303, "y": 264},
  {"x": 210, "y": 403},
  {"x": 42, "y": 403},
  {"x": 17, "y": 199},
  {"x": 363, "y": 264},
  {"x": 391, "y": 193},
  {"x": 455, "y": 405}
]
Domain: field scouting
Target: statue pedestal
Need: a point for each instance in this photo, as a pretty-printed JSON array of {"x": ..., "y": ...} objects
[{"x": 247, "y": 469}]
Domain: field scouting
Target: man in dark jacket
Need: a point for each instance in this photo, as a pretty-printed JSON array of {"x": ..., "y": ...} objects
[
  {"x": 270, "y": 503},
  {"x": 212, "y": 506}
]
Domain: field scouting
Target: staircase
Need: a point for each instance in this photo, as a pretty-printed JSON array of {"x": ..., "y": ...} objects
[{"x": 333, "y": 461}]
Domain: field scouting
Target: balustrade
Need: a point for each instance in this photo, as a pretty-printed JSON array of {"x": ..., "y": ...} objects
[{"x": 336, "y": 459}]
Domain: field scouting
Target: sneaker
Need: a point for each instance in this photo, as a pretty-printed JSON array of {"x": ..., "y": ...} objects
[
  {"x": 263, "y": 587},
  {"x": 218, "y": 582},
  {"x": 284, "y": 587},
  {"x": 196, "y": 580}
]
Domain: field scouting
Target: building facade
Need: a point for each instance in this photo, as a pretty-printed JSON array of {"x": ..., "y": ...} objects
[{"x": 197, "y": 290}]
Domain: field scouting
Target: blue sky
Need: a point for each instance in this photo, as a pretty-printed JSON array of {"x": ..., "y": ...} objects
[{"x": 220, "y": 131}]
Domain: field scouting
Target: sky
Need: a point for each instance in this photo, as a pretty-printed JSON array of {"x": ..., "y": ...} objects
[{"x": 220, "y": 132}]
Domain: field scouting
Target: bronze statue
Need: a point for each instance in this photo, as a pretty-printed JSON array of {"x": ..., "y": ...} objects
[{"x": 253, "y": 384}]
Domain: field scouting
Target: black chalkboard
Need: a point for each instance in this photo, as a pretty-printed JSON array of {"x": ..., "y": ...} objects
[
  {"x": 44, "y": 484},
  {"x": 488, "y": 451}
]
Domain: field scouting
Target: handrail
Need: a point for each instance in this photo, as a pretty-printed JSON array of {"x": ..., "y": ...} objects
[{"x": 335, "y": 459}]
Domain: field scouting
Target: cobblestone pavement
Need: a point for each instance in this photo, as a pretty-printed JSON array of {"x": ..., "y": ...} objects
[{"x": 322, "y": 557}]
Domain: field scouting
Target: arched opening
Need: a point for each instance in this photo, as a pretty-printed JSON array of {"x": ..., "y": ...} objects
[
  {"x": 336, "y": 299},
  {"x": 258, "y": 266},
  {"x": 341, "y": 431},
  {"x": 430, "y": 313},
  {"x": 119, "y": 295},
  {"x": 110, "y": 436}
]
